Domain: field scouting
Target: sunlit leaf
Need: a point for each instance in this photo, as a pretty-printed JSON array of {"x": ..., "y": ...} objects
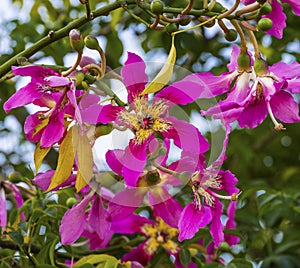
[
  {"x": 83, "y": 151},
  {"x": 39, "y": 155},
  {"x": 164, "y": 75},
  {"x": 107, "y": 260},
  {"x": 65, "y": 161}
]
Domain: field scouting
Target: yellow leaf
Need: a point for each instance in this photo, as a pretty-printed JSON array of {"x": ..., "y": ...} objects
[
  {"x": 83, "y": 150},
  {"x": 163, "y": 77},
  {"x": 44, "y": 122},
  {"x": 65, "y": 161},
  {"x": 106, "y": 260},
  {"x": 80, "y": 182},
  {"x": 39, "y": 155}
]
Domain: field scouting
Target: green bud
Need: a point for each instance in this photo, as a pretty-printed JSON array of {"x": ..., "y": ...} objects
[
  {"x": 264, "y": 24},
  {"x": 261, "y": 67},
  {"x": 103, "y": 129},
  {"x": 171, "y": 27},
  {"x": 231, "y": 35},
  {"x": 184, "y": 20},
  {"x": 76, "y": 40},
  {"x": 78, "y": 77},
  {"x": 91, "y": 42},
  {"x": 71, "y": 201},
  {"x": 244, "y": 62},
  {"x": 15, "y": 177},
  {"x": 157, "y": 7},
  {"x": 224, "y": 246},
  {"x": 152, "y": 177},
  {"x": 218, "y": 8},
  {"x": 265, "y": 9}
]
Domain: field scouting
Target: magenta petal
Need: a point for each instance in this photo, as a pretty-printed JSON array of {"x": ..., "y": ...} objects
[
  {"x": 134, "y": 76},
  {"x": 35, "y": 71},
  {"x": 191, "y": 220},
  {"x": 247, "y": 2},
  {"x": 253, "y": 114},
  {"x": 278, "y": 18},
  {"x": 125, "y": 202},
  {"x": 230, "y": 224},
  {"x": 73, "y": 222},
  {"x": 165, "y": 206},
  {"x": 30, "y": 124},
  {"x": 22, "y": 97},
  {"x": 285, "y": 107},
  {"x": 54, "y": 131},
  {"x": 57, "y": 81},
  {"x": 181, "y": 132},
  {"x": 295, "y": 5},
  {"x": 233, "y": 65},
  {"x": 17, "y": 194},
  {"x": 286, "y": 71},
  {"x": 134, "y": 163},
  {"x": 228, "y": 182},
  {"x": 108, "y": 113},
  {"x": 88, "y": 100},
  {"x": 3, "y": 214},
  {"x": 97, "y": 217},
  {"x": 138, "y": 254},
  {"x": 294, "y": 86},
  {"x": 132, "y": 224},
  {"x": 216, "y": 227},
  {"x": 114, "y": 159}
]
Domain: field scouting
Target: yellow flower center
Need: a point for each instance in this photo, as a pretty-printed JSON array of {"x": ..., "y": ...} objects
[
  {"x": 144, "y": 119},
  {"x": 160, "y": 234}
]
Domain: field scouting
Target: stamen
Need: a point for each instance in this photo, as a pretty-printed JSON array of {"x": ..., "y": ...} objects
[{"x": 277, "y": 126}]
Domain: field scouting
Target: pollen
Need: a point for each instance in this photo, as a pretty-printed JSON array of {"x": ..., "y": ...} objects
[
  {"x": 144, "y": 120},
  {"x": 160, "y": 234}
]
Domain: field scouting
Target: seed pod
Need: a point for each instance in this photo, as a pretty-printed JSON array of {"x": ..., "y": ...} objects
[
  {"x": 157, "y": 7},
  {"x": 231, "y": 35},
  {"x": 264, "y": 24}
]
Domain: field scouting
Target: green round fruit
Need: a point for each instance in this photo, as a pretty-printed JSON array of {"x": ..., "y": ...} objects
[
  {"x": 231, "y": 35},
  {"x": 264, "y": 24},
  {"x": 157, "y": 7}
]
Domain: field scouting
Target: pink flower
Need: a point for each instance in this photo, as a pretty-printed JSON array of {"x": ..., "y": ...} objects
[{"x": 265, "y": 90}]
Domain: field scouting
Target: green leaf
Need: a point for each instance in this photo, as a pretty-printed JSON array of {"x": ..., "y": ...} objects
[
  {"x": 163, "y": 77},
  {"x": 17, "y": 237},
  {"x": 113, "y": 50},
  {"x": 107, "y": 261},
  {"x": 65, "y": 162},
  {"x": 46, "y": 254},
  {"x": 83, "y": 150},
  {"x": 39, "y": 155},
  {"x": 116, "y": 16},
  {"x": 185, "y": 257}
]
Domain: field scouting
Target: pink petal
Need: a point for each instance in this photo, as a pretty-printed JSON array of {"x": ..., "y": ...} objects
[
  {"x": 3, "y": 214},
  {"x": 230, "y": 224},
  {"x": 57, "y": 81},
  {"x": 285, "y": 107},
  {"x": 233, "y": 65},
  {"x": 181, "y": 132},
  {"x": 278, "y": 18},
  {"x": 131, "y": 225},
  {"x": 253, "y": 114},
  {"x": 228, "y": 182},
  {"x": 30, "y": 124},
  {"x": 54, "y": 131},
  {"x": 294, "y": 86},
  {"x": 125, "y": 202},
  {"x": 216, "y": 227},
  {"x": 108, "y": 113},
  {"x": 23, "y": 96},
  {"x": 138, "y": 254},
  {"x": 134, "y": 76},
  {"x": 191, "y": 220},
  {"x": 286, "y": 71},
  {"x": 247, "y": 2},
  {"x": 165, "y": 206},
  {"x": 72, "y": 224},
  {"x": 114, "y": 160}
]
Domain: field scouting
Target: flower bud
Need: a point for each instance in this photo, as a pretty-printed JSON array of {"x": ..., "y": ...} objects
[
  {"x": 265, "y": 9},
  {"x": 71, "y": 201},
  {"x": 15, "y": 177},
  {"x": 91, "y": 42},
  {"x": 157, "y": 7},
  {"x": 231, "y": 35},
  {"x": 264, "y": 24},
  {"x": 244, "y": 62},
  {"x": 184, "y": 19},
  {"x": 171, "y": 27},
  {"x": 103, "y": 129},
  {"x": 152, "y": 177},
  {"x": 261, "y": 67},
  {"x": 76, "y": 40}
]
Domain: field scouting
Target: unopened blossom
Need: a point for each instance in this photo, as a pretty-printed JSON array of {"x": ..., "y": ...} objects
[
  {"x": 47, "y": 89},
  {"x": 277, "y": 15},
  {"x": 267, "y": 90},
  {"x": 146, "y": 118}
]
